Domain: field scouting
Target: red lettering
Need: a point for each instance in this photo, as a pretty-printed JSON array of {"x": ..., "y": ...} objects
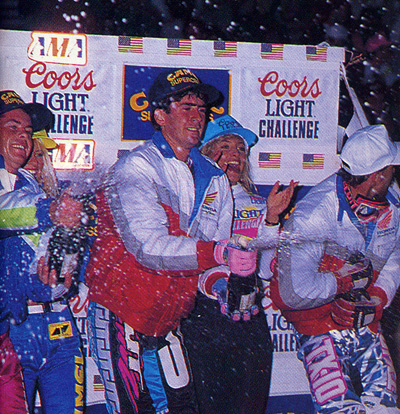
[
  {"x": 53, "y": 76},
  {"x": 54, "y": 46},
  {"x": 38, "y": 75},
  {"x": 282, "y": 86},
  {"x": 77, "y": 305},
  {"x": 64, "y": 155},
  {"x": 68, "y": 77}
]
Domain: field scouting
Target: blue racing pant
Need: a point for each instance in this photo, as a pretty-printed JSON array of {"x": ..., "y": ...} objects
[{"x": 49, "y": 347}]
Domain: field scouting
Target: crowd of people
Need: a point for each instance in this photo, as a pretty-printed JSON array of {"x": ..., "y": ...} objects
[{"x": 172, "y": 266}]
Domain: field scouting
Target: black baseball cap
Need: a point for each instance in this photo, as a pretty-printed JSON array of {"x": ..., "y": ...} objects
[
  {"x": 41, "y": 117},
  {"x": 174, "y": 81}
]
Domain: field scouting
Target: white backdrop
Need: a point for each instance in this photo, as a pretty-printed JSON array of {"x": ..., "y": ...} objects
[{"x": 97, "y": 88}]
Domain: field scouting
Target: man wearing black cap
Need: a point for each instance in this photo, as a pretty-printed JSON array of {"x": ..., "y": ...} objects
[
  {"x": 338, "y": 268},
  {"x": 24, "y": 214},
  {"x": 162, "y": 209}
]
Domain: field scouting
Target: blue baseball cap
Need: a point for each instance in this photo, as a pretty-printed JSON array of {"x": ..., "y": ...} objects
[
  {"x": 174, "y": 81},
  {"x": 228, "y": 125}
]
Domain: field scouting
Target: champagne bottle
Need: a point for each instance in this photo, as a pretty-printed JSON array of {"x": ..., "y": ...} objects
[
  {"x": 242, "y": 292},
  {"x": 63, "y": 251},
  {"x": 67, "y": 246}
]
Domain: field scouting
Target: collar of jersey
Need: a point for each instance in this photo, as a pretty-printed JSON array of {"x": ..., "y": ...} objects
[{"x": 200, "y": 164}]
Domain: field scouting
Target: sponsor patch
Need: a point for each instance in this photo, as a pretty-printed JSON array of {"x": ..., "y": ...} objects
[
  {"x": 60, "y": 330},
  {"x": 210, "y": 198},
  {"x": 385, "y": 221}
]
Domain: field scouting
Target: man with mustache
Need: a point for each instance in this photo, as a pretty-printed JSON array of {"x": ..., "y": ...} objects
[{"x": 337, "y": 268}]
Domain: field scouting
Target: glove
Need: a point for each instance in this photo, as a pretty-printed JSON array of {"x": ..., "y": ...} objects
[
  {"x": 241, "y": 262},
  {"x": 356, "y": 273},
  {"x": 359, "y": 308},
  {"x": 237, "y": 297}
]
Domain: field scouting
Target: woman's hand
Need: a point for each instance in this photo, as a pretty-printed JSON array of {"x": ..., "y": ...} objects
[{"x": 278, "y": 201}]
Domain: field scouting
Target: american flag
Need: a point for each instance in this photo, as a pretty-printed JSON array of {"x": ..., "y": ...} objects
[
  {"x": 316, "y": 53},
  {"x": 98, "y": 383},
  {"x": 271, "y": 51},
  {"x": 225, "y": 49},
  {"x": 269, "y": 160},
  {"x": 130, "y": 44},
  {"x": 179, "y": 47},
  {"x": 313, "y": 161}
]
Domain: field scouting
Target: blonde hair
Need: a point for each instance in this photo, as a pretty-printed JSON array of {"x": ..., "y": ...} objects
[
  {"x": 47, "y": 178},
  {"x": 245, "y": 181}
]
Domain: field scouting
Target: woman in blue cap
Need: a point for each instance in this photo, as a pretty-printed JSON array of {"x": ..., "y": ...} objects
[{"x": 226, "y": 335}]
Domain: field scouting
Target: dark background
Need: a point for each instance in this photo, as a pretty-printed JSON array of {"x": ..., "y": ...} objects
[{"x": 368, "y": 29}]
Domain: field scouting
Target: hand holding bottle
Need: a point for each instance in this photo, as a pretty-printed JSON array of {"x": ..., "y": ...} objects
[
  {"x": 240, "y": 261},
  {"x": 66, "y": 210},
  {"x": 49, "y": 277}
]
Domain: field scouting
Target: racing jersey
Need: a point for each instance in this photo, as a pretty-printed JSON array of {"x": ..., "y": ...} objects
[
  {"x": 249, "y": 221},
  {"x": 23, "y": 209},
  {"x": 324, "y": 224},
  {"x": 157, "y": 223}
]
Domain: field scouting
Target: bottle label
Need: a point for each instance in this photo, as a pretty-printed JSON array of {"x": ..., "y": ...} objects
[
  {"x": 68, "y": 265},
  {"x": 247, "y": 301}
]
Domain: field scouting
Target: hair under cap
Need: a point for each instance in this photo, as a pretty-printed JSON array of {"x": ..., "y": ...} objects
[{"x": 369, "y": 150}]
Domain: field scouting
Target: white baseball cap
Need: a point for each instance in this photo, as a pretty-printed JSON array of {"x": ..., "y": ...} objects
[{"x": 369, "y": 150}]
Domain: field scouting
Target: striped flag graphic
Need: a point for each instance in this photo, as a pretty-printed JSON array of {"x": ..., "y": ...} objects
[
  {"x": 269, "y": 160},
  {"x": 313, "y": 161},
  {"x": 225, "y": 49},
  {"x": 271, "y": 51},
  {"x": 179, "y": 47},
  {"x": 316, "y": 53},
  {"x": 130, "y": 44}
]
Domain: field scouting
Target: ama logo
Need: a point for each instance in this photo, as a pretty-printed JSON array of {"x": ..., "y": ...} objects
[
  {"x": 61, "y": 48},
  {"x": 73, "y": 154}
]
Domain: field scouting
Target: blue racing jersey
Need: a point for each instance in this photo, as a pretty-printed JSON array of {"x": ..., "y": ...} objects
[{"x": 24, "y": 214}]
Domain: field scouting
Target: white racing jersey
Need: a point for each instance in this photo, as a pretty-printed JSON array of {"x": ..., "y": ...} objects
[{"x": 323, "y": 223}]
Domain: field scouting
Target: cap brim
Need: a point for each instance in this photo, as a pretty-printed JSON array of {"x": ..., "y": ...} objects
[
  {"x": 249, "y": 136},
  {"x": 49, "y": 143},
  {"x": 41, "y": 117}
]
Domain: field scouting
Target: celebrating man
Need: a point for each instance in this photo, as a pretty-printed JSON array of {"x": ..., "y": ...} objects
[
  {"x": 337, "y": 268},
  {"x": 25, "y": 213},
  {"x": 161, "y": 211}
]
